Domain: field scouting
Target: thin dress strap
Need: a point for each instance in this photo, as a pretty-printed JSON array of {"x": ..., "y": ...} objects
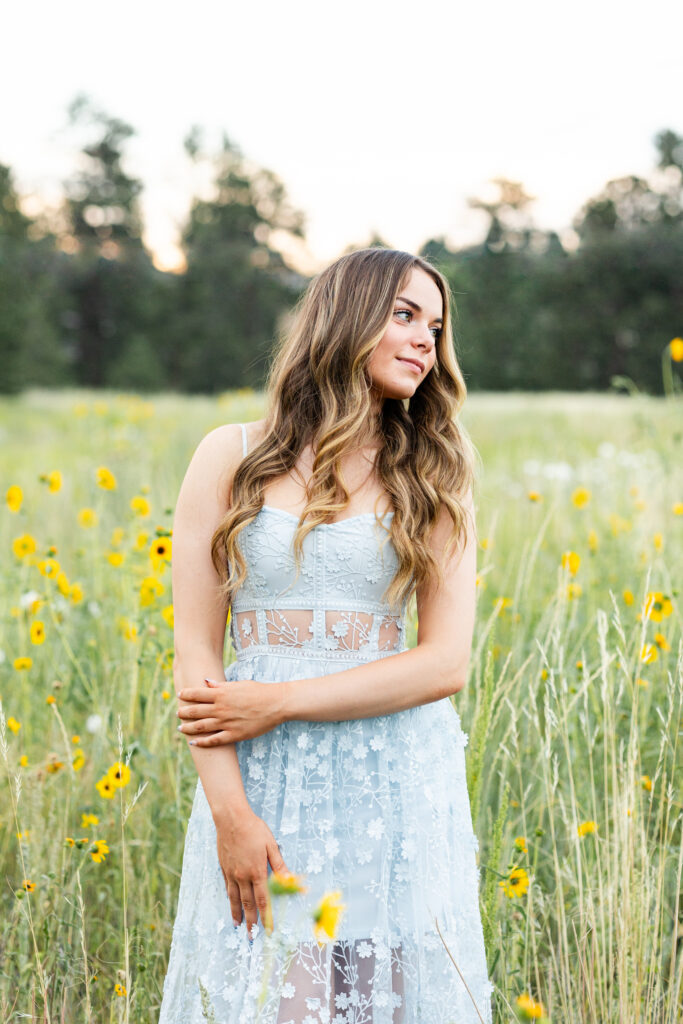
[{"x": 244, "y": 439}]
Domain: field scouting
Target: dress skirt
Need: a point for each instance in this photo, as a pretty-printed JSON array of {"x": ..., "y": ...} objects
[{"x": 376, "y": 808}]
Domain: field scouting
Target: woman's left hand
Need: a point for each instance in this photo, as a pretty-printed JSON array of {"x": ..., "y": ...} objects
[{"x": 229, "y": 711}]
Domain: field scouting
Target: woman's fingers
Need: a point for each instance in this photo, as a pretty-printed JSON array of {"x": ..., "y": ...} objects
[
  {"x": 189, "y": 711},
  {"x": 203, "y": 725},
  {"x": 235, "y": 903},
  {"x": 249, "y": 903},
  {"x": 262, "y": 897},
  {"x": 275, "y": 858},
  {"x": 216, "y": 739}
]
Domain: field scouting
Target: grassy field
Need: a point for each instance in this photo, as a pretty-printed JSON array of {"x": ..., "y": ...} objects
[{"x": 573, "y": 706}]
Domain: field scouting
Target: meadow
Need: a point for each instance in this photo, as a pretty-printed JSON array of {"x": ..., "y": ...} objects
[{"x": 573, "y": 705}]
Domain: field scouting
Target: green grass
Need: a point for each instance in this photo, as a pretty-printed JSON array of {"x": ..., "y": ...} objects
[{"x": 565, "y": 719}]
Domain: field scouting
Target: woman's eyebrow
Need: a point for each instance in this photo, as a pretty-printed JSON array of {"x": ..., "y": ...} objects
[{"x": 418, "y": 309}]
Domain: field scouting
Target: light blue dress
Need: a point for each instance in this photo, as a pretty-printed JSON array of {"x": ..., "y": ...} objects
[{"x": 375, "y": 807}]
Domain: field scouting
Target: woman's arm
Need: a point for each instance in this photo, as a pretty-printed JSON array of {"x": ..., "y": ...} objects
[
  {"x": 199, "y": 616},
  {"x": 434, "y": 669},
  {"x": 245, "y": 843}
]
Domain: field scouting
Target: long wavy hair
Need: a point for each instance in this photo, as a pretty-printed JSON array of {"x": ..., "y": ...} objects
[{"x": 318, "y": 391}]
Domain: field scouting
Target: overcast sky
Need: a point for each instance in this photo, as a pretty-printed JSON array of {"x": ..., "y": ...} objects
[{"x": 377, "y": 115}]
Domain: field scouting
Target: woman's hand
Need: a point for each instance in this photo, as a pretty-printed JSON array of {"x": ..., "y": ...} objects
[
  {"x": 245, "y": 847},
  {"x": 230, "y": 711}
]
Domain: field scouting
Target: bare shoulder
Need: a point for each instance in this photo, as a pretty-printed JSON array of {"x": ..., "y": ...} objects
[
  {"x": 212, "y": 467},
  {"x": 256, "y": 431}
]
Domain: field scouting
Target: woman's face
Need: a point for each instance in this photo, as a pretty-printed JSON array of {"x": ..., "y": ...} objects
[{"x": 409, "y": 339}]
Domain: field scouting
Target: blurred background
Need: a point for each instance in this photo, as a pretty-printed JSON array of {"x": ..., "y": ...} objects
[{"x": 170, "y": 178}]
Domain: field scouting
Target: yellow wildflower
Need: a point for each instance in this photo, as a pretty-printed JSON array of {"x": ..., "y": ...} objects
[
  {"x": 660, "y": 640},
  {"x": 105, "y": 788},
  {"x": 676, "y": 349},
  {"x": 531, "y": 1010},
  {"x": 53, "y": 765},
  {"x": 99, "y": 850},
  {"x": 128, "y": 629},
  {"x": 516, "y": 883},
  {"x": 646, "y": 782},
  {"x": 24, "y": 545},
  {"x": 648, "y": 653},
  {"x": 658, "y": 541},
  {"x": 593, "y": 540},
  {"x": 160, "y": 552},
  {"x": 581, "y": 497},
  {"x": 14, "y": 497},
  {"x": 63, "y": 584},
  {"x": 628, "y": 597},
  {"x": 119, "y": 775},
  {"x": 141, "y": 540},
  {"x": 37, "y": 632},
  {"x": 574, "y": 590},
  {"x": 89, "y": 819},
  {"x": 140, "y": 506},
  {"x": 520, "y": 843},
  {"x": 75, "y": 738},
  {"x": 165, "y": 695},
  {"x": 22, "y": 664},
  {"x": 78, "y": 760},
  {"x": 23, "y": 761},
  {"x": 53, "y": 481},
  {"x": 658, "y": 606},
  {"x": 571, "y": 561},
  {"x": 150, "y": 588},
  {"x": 69, "y": 841},
  {"x": 115, "y": 558},
  {"x": 326, "y": 916},
  {"x": 167, "y": 615},
  {"x": 586, "y": 827},
  {"x": 50, "y": 699},
  {"x": 49, "y": 567},
  {"x": 535, "y": 496},
  {"x": 13, "y": 724},
  {"x": 120, "y": 989},
  {"x": 643, "y": 682},
  {"x": 28, "y": 885},
  {"x": 105, "y": 479},
  {"x": 502, "y": 603},
  {"x": 282, "y": 883},
  {"x": 677, "y": 508},
  {"x": 76, "y": 593},
  {"x": 87, "y": 517}
]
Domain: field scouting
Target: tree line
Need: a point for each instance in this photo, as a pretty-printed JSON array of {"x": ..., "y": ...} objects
[{"x": 82, "y": 304}]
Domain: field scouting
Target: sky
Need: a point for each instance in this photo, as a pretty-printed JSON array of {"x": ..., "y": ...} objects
[{"x": 378, "y": 116}]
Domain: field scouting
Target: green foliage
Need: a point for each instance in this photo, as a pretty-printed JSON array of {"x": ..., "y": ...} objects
[
  {"x": 82, "y": 303},
  {"x": 567, "y": 723}
]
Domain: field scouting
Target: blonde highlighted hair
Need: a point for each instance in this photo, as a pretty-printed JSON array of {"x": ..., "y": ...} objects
[{"x": 319, "y": 392}]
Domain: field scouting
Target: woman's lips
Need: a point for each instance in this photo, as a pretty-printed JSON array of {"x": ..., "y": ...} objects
[{"x": 410, "y": 364}]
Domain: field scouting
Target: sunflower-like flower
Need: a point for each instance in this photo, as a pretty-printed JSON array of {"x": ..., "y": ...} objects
[
  {"x": 516, "y": 883},
  {"x": 105, "y": 479},
  {"x": 327, "y": 915}
]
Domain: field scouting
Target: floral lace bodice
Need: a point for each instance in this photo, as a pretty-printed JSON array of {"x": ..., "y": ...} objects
[{"x": 335, "y": 606}]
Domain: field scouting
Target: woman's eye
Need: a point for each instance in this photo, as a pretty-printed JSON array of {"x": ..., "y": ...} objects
[
  {"x": 436, "y": 331},
  {"x": 397, "y": 312}
]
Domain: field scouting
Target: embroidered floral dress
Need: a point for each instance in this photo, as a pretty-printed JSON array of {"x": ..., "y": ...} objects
[{"x": 376, "y": 807}]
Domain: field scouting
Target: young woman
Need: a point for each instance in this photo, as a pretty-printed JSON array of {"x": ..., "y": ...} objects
[{"x": 331, "y": 750}]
